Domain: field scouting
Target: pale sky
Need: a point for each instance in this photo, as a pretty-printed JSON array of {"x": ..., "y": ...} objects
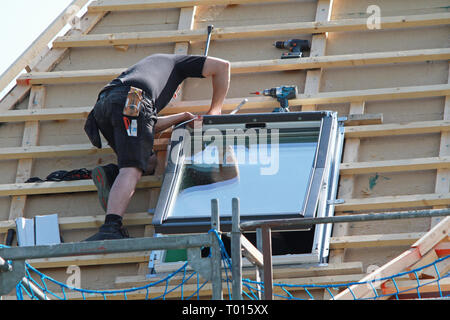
[{"x": 21, "y": 22}]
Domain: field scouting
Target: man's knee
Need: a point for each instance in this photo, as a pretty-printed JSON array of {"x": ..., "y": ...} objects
[
  {"x": 130, "y": 173},
  {"x": 152, "y": 162}
]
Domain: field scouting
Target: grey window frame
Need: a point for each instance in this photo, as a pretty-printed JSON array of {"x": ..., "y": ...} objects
[{"x": 322, "y": 185}]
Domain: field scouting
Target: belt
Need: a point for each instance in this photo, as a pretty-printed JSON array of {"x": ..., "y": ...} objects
[{"x": 104, "y": 93}]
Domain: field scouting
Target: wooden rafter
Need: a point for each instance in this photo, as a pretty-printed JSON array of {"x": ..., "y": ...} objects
[
  {"x": 348, "y": 60},
  {"x": 119, "y": 5},
  {"x": 114, "y": 39},
  {"x": 400, "y": 263}
]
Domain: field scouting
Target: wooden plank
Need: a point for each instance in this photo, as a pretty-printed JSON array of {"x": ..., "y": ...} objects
[
  {"x": 392, "y": 202},
  {"x": 318, "y": 48},
  {"x": 91, "y": 260},
  {"x": 400, "y": 263},
  {"x": 320, "y": 98},
  {"x": 51, "y": 151},
  {"x": 443, "y": 174},
  {"x": 408, "y": 287},
  {"x": 30, "y": 138},
  {"x": 280, "y": 272},
  {"x": 45, "y": 114},
  {"x": 69, "y": 150},
  {"x": 269, "y": 103},
  {"x": 347, "y": 182},
  {"x": 392, "y": 129},
  {"x": 251, "y": 252},
  {"x": 60, "y": 77},
  {"x": 119, "y": 5},
  {"x": 402, "y": 165},
  {"x": 433, "y": 237},
  {"x": 339, "y": 61},
  {"x": 348, "y": 60},
  {"x": 206, "y": 291},
  {"x": 114, "y": 39},
  {"x": 41, "y": 42},
  {"x": 374, "y": 240},
  {"x": 395, "y": 266},
  {"x": 65, "y": 186}
]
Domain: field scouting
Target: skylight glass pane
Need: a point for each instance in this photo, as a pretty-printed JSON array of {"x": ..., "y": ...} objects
[{"x": 270, "y": 175}]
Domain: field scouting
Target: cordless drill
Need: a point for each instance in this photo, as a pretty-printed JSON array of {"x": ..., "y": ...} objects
[
  {"x": 282, "y": 94},
  {"x": 296, "y": 48}
]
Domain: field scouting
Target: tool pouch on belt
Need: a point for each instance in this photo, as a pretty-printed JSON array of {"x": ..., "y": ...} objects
[
  {"x": 91, "y": 129},
  {"x": 133, "y": 103}
]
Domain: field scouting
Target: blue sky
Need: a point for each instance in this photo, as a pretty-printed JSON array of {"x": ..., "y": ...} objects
[{"x": 21, "y": 22}]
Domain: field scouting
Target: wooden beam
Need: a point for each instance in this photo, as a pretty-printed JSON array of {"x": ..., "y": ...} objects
[
  {"x": 395, "y": 266},
  {"x": 433, "y": 237},
  {"x": 119, "y": 5},
  {"x": 59, "y": 77},
  {"x": 348, "y": 60},
  {"x": 114, "y": 39},
  {"x": 410, "y": 287},
  {"x": 30, "y": 139},
  {"x": 375, "y": 240},
  {"x": 393, "y": 202},
  {"x": 51, "y": 151},
  {"x": 339, "y": 61},
  {"x": 318, "y": 48},
  {"x": 443, "y": 174},
  {"x": 393, "y": 129},
  {"x": 40, "y": 43},
  {"x": 402, "y": 165},
  {"x": 251, "y": 252},
  {"x": 65, "y": 186},
  {"x": 347, "y": 182},
  {"x": 91, "y": 260},
  {"x": 269, "y": 103},
  {"x": 320, "y": 98},
  {"x": 45, "y": 114},
  {"x": 280, "y": 271}
]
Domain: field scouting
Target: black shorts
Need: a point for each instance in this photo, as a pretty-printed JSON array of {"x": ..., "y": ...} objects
[{"x": 134, "y": 146}]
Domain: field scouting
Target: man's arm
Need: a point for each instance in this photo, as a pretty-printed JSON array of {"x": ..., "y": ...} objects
[
  {"x": 219, "y": 71},
  {"x": 165, "y": 122}
]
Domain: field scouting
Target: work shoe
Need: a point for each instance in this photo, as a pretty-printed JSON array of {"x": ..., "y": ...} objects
[
  {"x": 103, "y": 177},
  {"x": 110, "y": 231}
]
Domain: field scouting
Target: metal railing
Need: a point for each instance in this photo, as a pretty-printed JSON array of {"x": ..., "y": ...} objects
[
  {"x": 12, "y": 260},
  {"x": 261, "y": 257}
]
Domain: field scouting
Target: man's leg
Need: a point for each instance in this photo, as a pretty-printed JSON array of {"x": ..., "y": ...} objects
[
  {"x": 122, "y": 190},
  {"x": 120, "y": 195}
]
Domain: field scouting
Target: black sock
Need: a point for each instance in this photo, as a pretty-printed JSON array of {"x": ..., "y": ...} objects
[{"x": 113, "y": 218}]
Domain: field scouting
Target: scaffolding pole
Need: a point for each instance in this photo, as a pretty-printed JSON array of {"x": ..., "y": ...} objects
[
  {"x": 251, "y": 225},
  {"x": 264, "y": 227}
]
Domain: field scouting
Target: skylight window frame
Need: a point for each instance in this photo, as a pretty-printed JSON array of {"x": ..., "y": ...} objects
[{"x": 328, "y": 149}]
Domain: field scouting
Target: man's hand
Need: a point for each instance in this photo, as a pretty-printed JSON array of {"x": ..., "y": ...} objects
[
  {"x": 197, "y": 121},
  {"x": 219, "y": 71},
  {"x": 165, "y": 122}
]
